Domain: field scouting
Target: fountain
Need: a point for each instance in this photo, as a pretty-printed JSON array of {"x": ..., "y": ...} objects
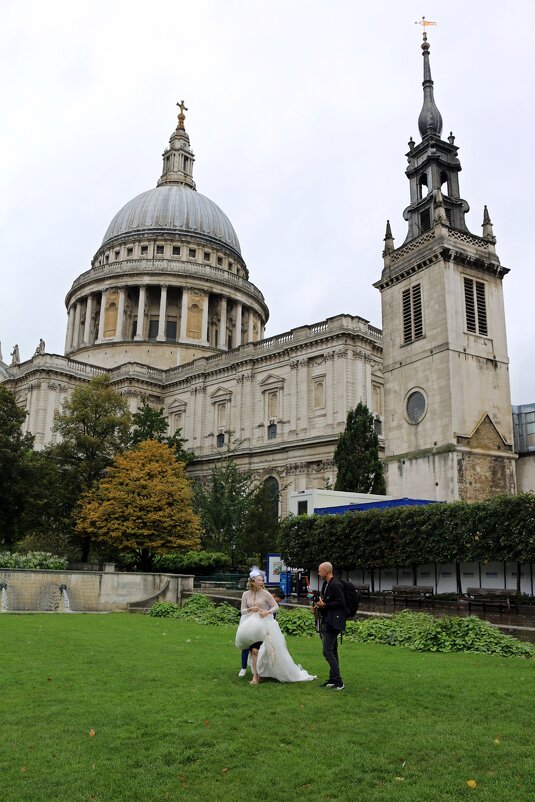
[
  {"x": 3, "y": 597},
  {"x": 64, "y": 599}
]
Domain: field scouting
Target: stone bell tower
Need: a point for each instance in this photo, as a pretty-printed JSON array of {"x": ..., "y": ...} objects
[{"x": 448, "y": 422}]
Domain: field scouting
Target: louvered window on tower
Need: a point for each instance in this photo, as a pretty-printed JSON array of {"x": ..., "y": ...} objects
[
  {"x": 425, "y": 220},
  {"x": 476, "y": 306},
  {"x": 413, "y": 323}
]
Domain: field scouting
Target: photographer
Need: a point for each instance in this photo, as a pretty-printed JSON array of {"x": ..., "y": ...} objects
[{"x": 331, "y": 607}]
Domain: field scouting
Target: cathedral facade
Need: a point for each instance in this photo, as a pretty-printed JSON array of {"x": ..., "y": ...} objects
[{"x": 168, "y": 310}]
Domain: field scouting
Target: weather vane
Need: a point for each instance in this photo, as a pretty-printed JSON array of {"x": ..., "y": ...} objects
[{"x": 424, "y": 23}]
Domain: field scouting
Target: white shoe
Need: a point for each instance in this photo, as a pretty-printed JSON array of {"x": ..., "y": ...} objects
[{"x": 243, "y": 672}]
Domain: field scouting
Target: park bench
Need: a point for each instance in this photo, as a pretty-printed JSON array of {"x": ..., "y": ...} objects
[
  {"x": 363, "y": 591},
  {"x": 412, "y": 593},
  {"x": 492, "y": 597}
]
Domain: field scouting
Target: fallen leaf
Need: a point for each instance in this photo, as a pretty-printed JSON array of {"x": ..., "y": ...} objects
[
  {"x": 24, "y": 768},
  {"x": 471, "y": 783},
  {"x": 224, "y": 771},
  {"x": 497, "y": 741},
  {"x": 92, "y": 733},
  {"x": 400, "y": 779},
  {"x": 206, "y": 722}
]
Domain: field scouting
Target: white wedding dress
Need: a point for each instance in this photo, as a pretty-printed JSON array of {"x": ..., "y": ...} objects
[{"x": 274, "y": 659}]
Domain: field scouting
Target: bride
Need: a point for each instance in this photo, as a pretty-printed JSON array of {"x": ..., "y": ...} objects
[{"x": 260, "y": 633}]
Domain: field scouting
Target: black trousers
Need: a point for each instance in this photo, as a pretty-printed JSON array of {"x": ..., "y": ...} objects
[{"x": 330, "y": 652}]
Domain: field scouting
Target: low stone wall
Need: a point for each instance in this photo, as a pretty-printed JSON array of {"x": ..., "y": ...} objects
[{"x": 87, "y": 591}]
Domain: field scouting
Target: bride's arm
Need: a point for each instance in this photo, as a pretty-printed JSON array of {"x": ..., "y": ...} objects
[{"x": 273, "y": 606}]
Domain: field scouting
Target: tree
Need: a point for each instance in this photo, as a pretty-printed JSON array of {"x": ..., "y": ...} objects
[
  {"x": 357, "y": 455},
  {"x": 223, "y": 502},
  {"x": 94, "y": 425},
  {"x": 262, "y": 523},
  {"x": 14, "y": 448},
  {"x": 142, "y": 505},
  {"x": 151, "y": 424}
]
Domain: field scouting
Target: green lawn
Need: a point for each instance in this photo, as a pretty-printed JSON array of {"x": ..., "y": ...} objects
[{"x": 172, "y": 720}]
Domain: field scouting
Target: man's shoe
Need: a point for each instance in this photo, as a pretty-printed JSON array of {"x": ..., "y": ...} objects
[
  {"x": 339, "y": 687},
  {"x": 328, "y": 684},
  {"x": 243, "y": 672}
]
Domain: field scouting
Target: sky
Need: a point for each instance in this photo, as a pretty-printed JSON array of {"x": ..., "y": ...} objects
[{"x": 299, "y": 114}]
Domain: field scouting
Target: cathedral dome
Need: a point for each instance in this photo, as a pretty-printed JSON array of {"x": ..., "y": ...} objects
[{"x": 172, "y": 209}]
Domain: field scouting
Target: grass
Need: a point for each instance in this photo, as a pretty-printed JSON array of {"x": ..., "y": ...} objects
[{"x": 172, "y": 720}]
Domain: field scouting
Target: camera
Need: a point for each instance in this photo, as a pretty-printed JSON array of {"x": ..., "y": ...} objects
[{"x": 314, "y": 596}]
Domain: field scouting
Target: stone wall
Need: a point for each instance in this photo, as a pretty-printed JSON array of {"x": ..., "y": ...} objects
[{"x": 87, "y": 591}]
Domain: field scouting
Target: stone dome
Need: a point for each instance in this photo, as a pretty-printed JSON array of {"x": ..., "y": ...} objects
[{"x": 173, "y": 209}]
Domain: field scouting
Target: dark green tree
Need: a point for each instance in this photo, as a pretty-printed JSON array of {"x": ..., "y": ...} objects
[
  {"x": 14, "y": 448},
  {"x": 94, "y": 426},
  {"x": 357, "y": 455},
  {"x": 262, "y": 524},
  {"x": 151, "y": 424},
  {"x": 223, "y": 501}
]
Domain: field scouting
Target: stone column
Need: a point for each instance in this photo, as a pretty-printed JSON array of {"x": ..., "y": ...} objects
[
  {"x": 204, "y": 324},
  {"x": 100, "y": 335},
  {"x": 88, "y": 313},
  {"x": 293, "y": 396},
  {"x": 184, "y": 314},
  {"x": 223, "y": 324},
  {"x": 119, "y": 331},
  {"x": 163, "y": 314},
  {"x": 238, "y": 325},
  {"x": 250, "y": 327},
  {"x": 76, "y": 329},
  {"x": 261, "y": 330},
  {"x": 140, "y": 313},
  {"x": 70, "y": 326}
]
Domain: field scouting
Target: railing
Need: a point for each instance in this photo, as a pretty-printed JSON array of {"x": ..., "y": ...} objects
[{"x": 175, "y": 267}]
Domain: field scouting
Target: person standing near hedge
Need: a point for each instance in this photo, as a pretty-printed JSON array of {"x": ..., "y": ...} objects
[{"x": 332, "y": 609}]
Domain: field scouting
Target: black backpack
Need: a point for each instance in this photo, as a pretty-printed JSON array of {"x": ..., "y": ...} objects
[{"x": 351, "y": 596}]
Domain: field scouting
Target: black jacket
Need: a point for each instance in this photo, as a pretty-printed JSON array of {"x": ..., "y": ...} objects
[{"x": 334, "y": 612}]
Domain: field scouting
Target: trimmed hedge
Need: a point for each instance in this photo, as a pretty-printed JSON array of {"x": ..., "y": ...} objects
[
  {"x": 502, "y": 529},
  {"x": 33, "y": 560}
]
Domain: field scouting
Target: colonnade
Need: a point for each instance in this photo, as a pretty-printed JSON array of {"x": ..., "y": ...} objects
[{"x": 196, "y": 316}]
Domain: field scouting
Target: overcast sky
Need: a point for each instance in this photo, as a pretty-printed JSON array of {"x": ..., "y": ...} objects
[{"x": 299, "y": 116}]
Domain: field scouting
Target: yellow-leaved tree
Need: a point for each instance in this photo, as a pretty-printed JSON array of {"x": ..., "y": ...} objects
[{"x": 142, "y": 504}]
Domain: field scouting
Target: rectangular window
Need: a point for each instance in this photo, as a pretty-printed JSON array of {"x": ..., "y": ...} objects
[
  {"x": 475, "y": 306},
  {"x": 176, "y": 250},
  {"x": 129, "y": 251},
  {"x": 153, "y": 329},
  {"x": 117, "y": 254},
  {"x": 170, "y": 330},
  {"x": 192, "y": 253},
  {"x": 159, "y": 250},
  {"x": 144, "y": 250},
  {"x": 413, "y": 322},
  {"x": 272, "y": 431},
  {"x": 302, "y": 507},
  {"x": 220, "y": 261},
  {"x": 206, "y": 256}
]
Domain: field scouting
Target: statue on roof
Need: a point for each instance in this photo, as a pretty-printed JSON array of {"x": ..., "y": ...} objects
[{"x": 15, "y": 355}]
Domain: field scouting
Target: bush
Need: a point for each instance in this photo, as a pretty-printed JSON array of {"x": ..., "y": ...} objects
[
  {"x": 198, "y": 608},
  {"x": 423, "y": 633},
  {"x": 164, "y": 610},
  {"x": 192, "y": 562},
  {"x": 296, "y": 622},
  {"x": 33, "y": 560}
]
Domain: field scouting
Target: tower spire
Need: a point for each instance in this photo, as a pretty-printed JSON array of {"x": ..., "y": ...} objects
[
  {"x": 178, "y": 158},
  {"x": 430, "y": 119}
]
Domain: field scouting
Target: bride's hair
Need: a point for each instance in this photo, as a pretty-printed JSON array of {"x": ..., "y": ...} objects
[{"x": 251, "y": 583}]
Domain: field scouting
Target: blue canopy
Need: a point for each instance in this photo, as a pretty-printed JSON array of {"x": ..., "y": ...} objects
[{"x": 373, "y": 505}]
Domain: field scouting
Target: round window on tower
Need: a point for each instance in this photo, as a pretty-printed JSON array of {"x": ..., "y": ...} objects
[{"x": 415, "y": 405}]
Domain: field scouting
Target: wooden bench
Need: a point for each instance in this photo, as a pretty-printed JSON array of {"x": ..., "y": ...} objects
[
  {"x": 492, "y": 597},
  {"x": 412, "y": 593},
  {"x": 363, "y": 591}
]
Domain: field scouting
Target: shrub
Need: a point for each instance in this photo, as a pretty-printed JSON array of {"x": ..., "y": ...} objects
[
  {"x": 423, "y": 633},
  {"x": 192, "y": 562},
  {"x": 33, "y": 560},
  {"x": 296, "y": 622},
  {"x": 164, "y": 610}
]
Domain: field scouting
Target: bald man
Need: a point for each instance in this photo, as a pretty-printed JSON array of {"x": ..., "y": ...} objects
[{"x": 332, "y": 609}]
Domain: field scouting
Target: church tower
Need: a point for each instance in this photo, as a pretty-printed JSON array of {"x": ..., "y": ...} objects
[{"x": 448, "y": 423}]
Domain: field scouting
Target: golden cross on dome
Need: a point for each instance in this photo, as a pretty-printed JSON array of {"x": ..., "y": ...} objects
[{"x": 181, "y": 116}]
